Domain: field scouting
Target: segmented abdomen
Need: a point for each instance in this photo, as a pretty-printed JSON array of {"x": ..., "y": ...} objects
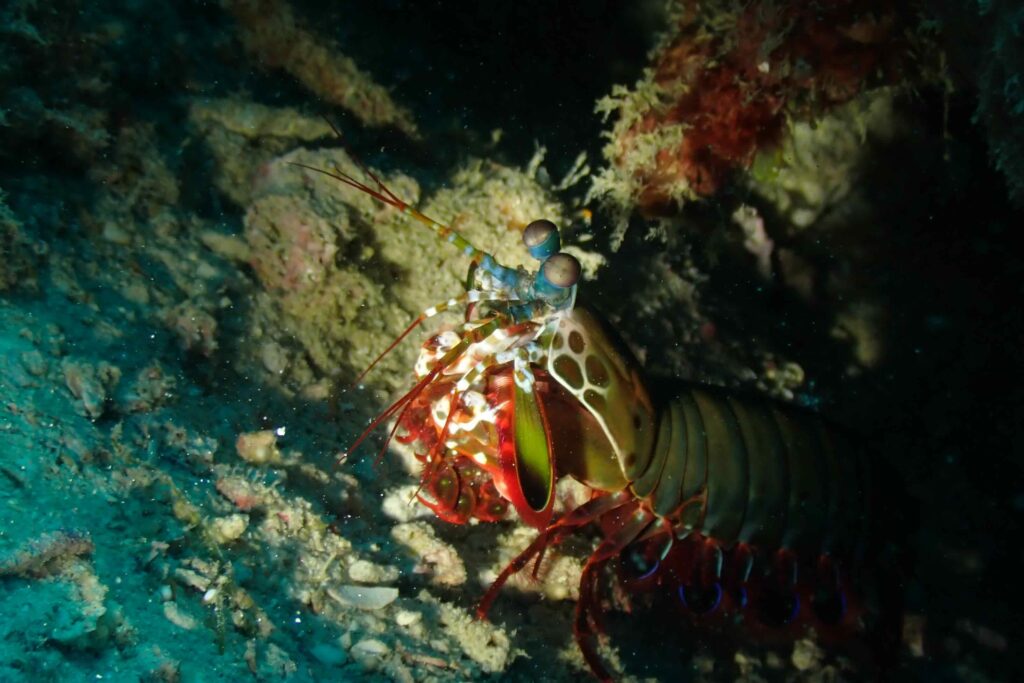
[{"x": 755, "y": 471}]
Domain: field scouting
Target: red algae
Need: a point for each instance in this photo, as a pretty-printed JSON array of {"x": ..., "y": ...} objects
[{"x": 728, "y": 79}]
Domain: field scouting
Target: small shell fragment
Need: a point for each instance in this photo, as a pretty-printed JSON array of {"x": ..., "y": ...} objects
[{"x": 364, "y": 597}]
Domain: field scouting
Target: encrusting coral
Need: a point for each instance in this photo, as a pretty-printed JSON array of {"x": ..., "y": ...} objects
[
  {"x": 342, "y": 276},
  {"x": 243, "y": 136},
  {"x": 726, "y": 80}
]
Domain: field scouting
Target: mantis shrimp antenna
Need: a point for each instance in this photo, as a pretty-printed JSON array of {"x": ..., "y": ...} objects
[{"x": 508, "y": 277}]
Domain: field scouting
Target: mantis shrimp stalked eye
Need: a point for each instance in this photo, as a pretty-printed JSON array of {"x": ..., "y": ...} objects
[{"x": 541, "y": 238}]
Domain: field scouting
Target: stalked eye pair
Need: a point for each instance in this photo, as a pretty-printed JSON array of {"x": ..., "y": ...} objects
[{"x": 559, "y": 269}]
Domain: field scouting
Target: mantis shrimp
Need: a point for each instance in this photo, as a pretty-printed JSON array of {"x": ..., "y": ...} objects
[{"x": 739, "y": 508}]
